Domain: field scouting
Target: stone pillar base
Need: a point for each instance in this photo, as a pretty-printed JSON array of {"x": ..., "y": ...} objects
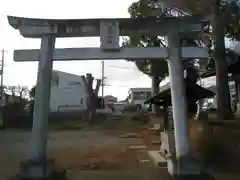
[
  {"x": 39, "y": 170},
  {"x": 36, "y": 170},
  {"x": 55, "y": 176},
  {"x": 200, "y": 176},
  {"x": 184, "y": 166}
]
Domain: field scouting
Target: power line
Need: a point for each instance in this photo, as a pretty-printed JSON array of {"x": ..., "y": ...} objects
[
  {"x": 1, "y": 73},
  {"x": 103, "y": 80},
  {"x": 122, "y": 67},
  {"x": 103, "y": 84},
  {"x": 115, "y": 85}
]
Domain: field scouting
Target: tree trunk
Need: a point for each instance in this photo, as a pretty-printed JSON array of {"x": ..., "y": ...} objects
[
  {"x": 223, "y": 96},
  {"x": 91, "y": 99},
  {"x": 155, "y": 90},
  {"x": 20, "y": 97}
]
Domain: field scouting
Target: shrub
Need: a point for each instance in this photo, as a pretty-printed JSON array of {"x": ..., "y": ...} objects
[
  {"x": 12, "y": 114},
  {"x": 213, "y": 147}
]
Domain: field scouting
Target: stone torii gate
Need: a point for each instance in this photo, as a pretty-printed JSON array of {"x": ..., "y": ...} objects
[{"x": 109, "y": 31}]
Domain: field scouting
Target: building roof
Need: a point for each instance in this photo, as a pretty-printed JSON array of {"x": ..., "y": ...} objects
[
  {"x": 62, "y": 72},
  {"x": 139, "y": 89},
  {"x": 56, "y": 73},
  {"x": 164, "y": 87},
  {"x": 194, "y": 92},
  {"x": 233, "y": 60},
  {"x": 110, "y": 98},
  {"x": 212, "y": 88}
]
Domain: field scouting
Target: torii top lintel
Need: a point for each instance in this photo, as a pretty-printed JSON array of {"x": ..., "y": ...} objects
[{"x": 91, "y": 27}]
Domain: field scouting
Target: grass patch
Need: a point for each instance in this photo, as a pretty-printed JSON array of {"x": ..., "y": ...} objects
[
  {"x": 120, "y": 122},
  {"x": 100, "y": 121},
  {"x": 68, "y": 124}
]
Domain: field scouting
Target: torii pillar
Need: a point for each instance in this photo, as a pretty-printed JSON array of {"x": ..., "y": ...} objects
[
  {"x": 182, "y": 165},
  {"x": 38, "y": 166}
]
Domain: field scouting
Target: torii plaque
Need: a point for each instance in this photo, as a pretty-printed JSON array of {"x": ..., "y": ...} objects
[{"x": 109, "y": 31}]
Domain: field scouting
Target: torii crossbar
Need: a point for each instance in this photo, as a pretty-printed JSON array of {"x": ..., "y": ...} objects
[{"x": 109, "y": 31}]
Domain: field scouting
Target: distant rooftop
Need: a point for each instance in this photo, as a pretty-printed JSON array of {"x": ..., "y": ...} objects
[{"x": 139, "y": 89}]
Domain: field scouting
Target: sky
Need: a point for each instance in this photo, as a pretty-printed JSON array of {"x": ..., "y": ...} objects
[{"x": 120, "y": 74}]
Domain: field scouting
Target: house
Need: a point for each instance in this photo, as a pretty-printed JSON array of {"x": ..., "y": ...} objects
[
  {"x": 138, "y": 96},
  {"x": 67, "y": 92},
  {"x": 109, "y": 99}
]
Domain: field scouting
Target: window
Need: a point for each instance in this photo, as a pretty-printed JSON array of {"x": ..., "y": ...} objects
[
  {"x": 148, "y": 95},
  {"x": 139, "y": 96}
]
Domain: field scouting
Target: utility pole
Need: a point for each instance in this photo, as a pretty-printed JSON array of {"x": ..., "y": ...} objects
[
  {"x": 2, "y": 92},
  {"x": 103, "y": 78},
  {"x": 1, "y": 73}
]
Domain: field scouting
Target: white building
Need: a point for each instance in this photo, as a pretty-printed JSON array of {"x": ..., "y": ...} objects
[
  {"x": 110, "y": 99},
  {"x": 138, "y": 96},
  {"x": 67, "y": 92}
]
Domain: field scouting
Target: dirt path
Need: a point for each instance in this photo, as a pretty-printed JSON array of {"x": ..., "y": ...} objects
[
  {"x": 73, "y": 150},
  {"x": 78, "y": 151}
]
